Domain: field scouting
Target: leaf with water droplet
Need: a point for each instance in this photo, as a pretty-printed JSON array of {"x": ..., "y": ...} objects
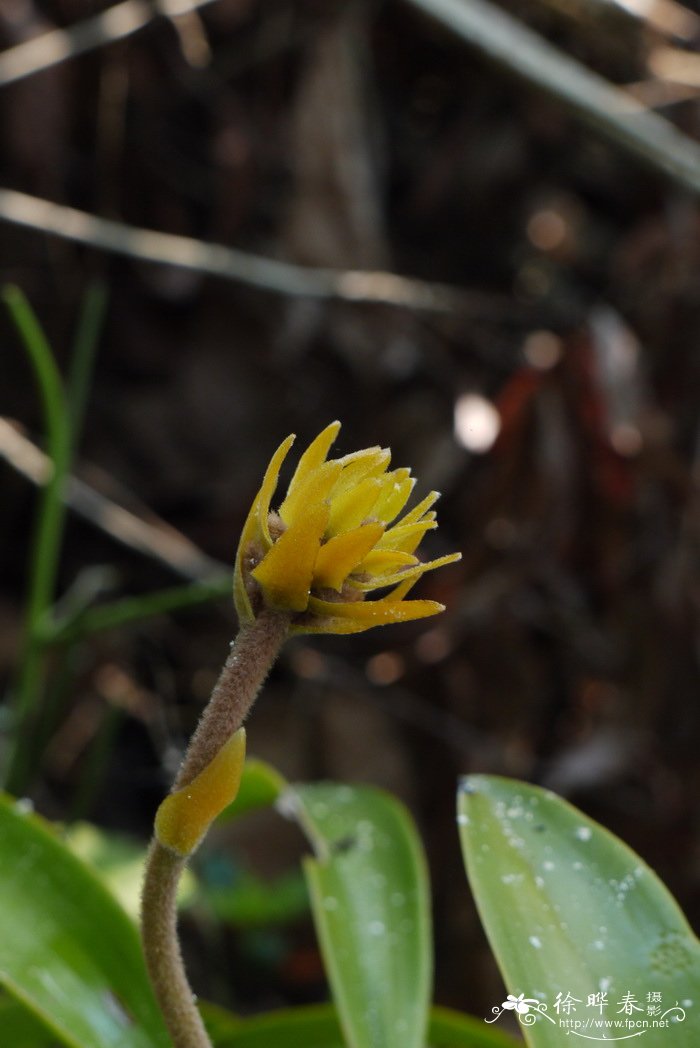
[
  {"x": 600, "y": 920},
  {"x": 67, "y": 949},
  {"x": 375, "y": 935}
]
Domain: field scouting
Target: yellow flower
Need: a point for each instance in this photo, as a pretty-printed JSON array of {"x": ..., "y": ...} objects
[{"x": 334, "y": 540}]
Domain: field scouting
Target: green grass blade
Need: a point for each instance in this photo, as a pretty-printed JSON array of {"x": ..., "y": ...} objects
[
  {"x": 48, "y": 533},
  {"x": 58, "y": 447},
  {"x": 87, "y": 621},
  {"x": 571, "y": 910}
]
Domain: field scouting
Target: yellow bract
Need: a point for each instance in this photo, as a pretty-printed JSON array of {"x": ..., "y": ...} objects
[
  {"x": 185, "y": 816},
  {"x": 334, "y": 540}
]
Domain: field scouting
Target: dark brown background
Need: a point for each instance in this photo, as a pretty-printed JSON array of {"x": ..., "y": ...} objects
[{"x": 364, "y": 136}]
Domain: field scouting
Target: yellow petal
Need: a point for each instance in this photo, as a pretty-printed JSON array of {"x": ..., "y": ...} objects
[
  {"x": 352, "y": 507},
  {"x": 286, "y": 571},
  {"x": 419, "y": 512},
  {"x": 269, "y": 484},
  {"x": 405, "y": 537},
  {"x": 357, "y": 616},
  {"x": 382, "y": 561},
  {"x": 396, "y": 490},
  {"x": 315, "y": 454},
  {"x": 368, "y": 463},
  {"x": 337, "y": 557},
  {"x": 408, "y": 573},
  {"x": 315, "y": 487},
  {"x": 256, "y": 528},
  {"x": 363, "y": 453},
  {"x": 185, "y": 816}
]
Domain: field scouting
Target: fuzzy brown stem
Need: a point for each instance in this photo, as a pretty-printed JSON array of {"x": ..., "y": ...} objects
[
  {"x": 248, "y": 664},
  {"x": 244, "y": 672},
  {"x": 162, "y": 949}
]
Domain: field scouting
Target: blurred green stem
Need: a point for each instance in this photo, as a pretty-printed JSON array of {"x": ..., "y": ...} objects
[
  {"x": 48, "y": 532},
  {"x": 63, "y": 416},
  {"x": 72, "y": 627}
]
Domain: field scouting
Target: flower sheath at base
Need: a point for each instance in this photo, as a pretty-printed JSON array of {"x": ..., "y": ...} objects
[{"x": 336, "y": 538}]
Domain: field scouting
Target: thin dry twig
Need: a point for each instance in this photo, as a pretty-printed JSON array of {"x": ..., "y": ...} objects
[
  {"x": 612, "y": 112},
  {"x": 227, "y": 262},
  {"x": 58, "y": 45},
  {"x": 154, "y": 538}
]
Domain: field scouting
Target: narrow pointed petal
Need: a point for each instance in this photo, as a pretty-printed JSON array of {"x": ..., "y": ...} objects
[
  {"x": 256, "y": 528},
  {"x": 382, "y": 561},
  {"x": 352, "y": 507},
  {"x": 315, "y": 454},
  {"x": 369, "y": 463},
  {"x": 364, "y": 453},
  {"x": 405, "y": 537},
  {"x": 185, "y": 816},
  {"x": 315, "y": 487},
  {"x": 396, "y": 491},
  {"x": 356, "y": 616},
  {"x": 337, "y": 557},
  {"x": 419, "y": 512},
  {"x": 286, "y": 571},
  {"x": 408, "y": 573},
  {"x": 268, "y": 488}
]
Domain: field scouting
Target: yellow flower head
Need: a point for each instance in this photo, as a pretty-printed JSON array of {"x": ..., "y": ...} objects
[{"x": 333, "y": 541}]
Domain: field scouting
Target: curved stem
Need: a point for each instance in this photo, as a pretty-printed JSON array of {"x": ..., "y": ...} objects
[{"x": 244, "y": 672}]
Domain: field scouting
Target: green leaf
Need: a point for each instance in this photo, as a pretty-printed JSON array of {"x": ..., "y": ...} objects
[
  {"x": 118, "y": 861},
  {"x": 450, "y": 1029},
  {"x": 369, "y": 895},
  {"x": 68, "y": 951},
  {"x": 570, "y": 909},
  {"x": 317, "y": 1026},
  {"x": 308, "y": 1026},
  {"x": 260, "y": 787},
  {"x": 21, "y": 1029}
]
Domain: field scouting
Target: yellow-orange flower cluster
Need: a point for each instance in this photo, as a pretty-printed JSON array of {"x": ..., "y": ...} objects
[{"x": 334, "y": 540}]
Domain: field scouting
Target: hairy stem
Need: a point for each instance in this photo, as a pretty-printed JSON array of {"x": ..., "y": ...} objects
[
  {"x": 162, "y": 949},
  {"x": 244, "y": 672}
]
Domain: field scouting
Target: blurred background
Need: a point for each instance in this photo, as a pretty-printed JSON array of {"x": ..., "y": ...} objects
[{"x": 539, "y": 368}]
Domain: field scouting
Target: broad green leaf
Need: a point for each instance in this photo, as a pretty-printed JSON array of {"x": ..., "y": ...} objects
[
  {"x": 260, "y": 787},
  {"x": 451, "y": 1029},
  {"x": 67, "y": 950},
  {"x": 571, "y": 911},
  {"x": 317, "y": 1026},
  {"x": 119, "y": 862},
  {"x": 369, "y": 895},
  {"x": 308, "y": 1026},
  {"x": 21, "y": 1029}
]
